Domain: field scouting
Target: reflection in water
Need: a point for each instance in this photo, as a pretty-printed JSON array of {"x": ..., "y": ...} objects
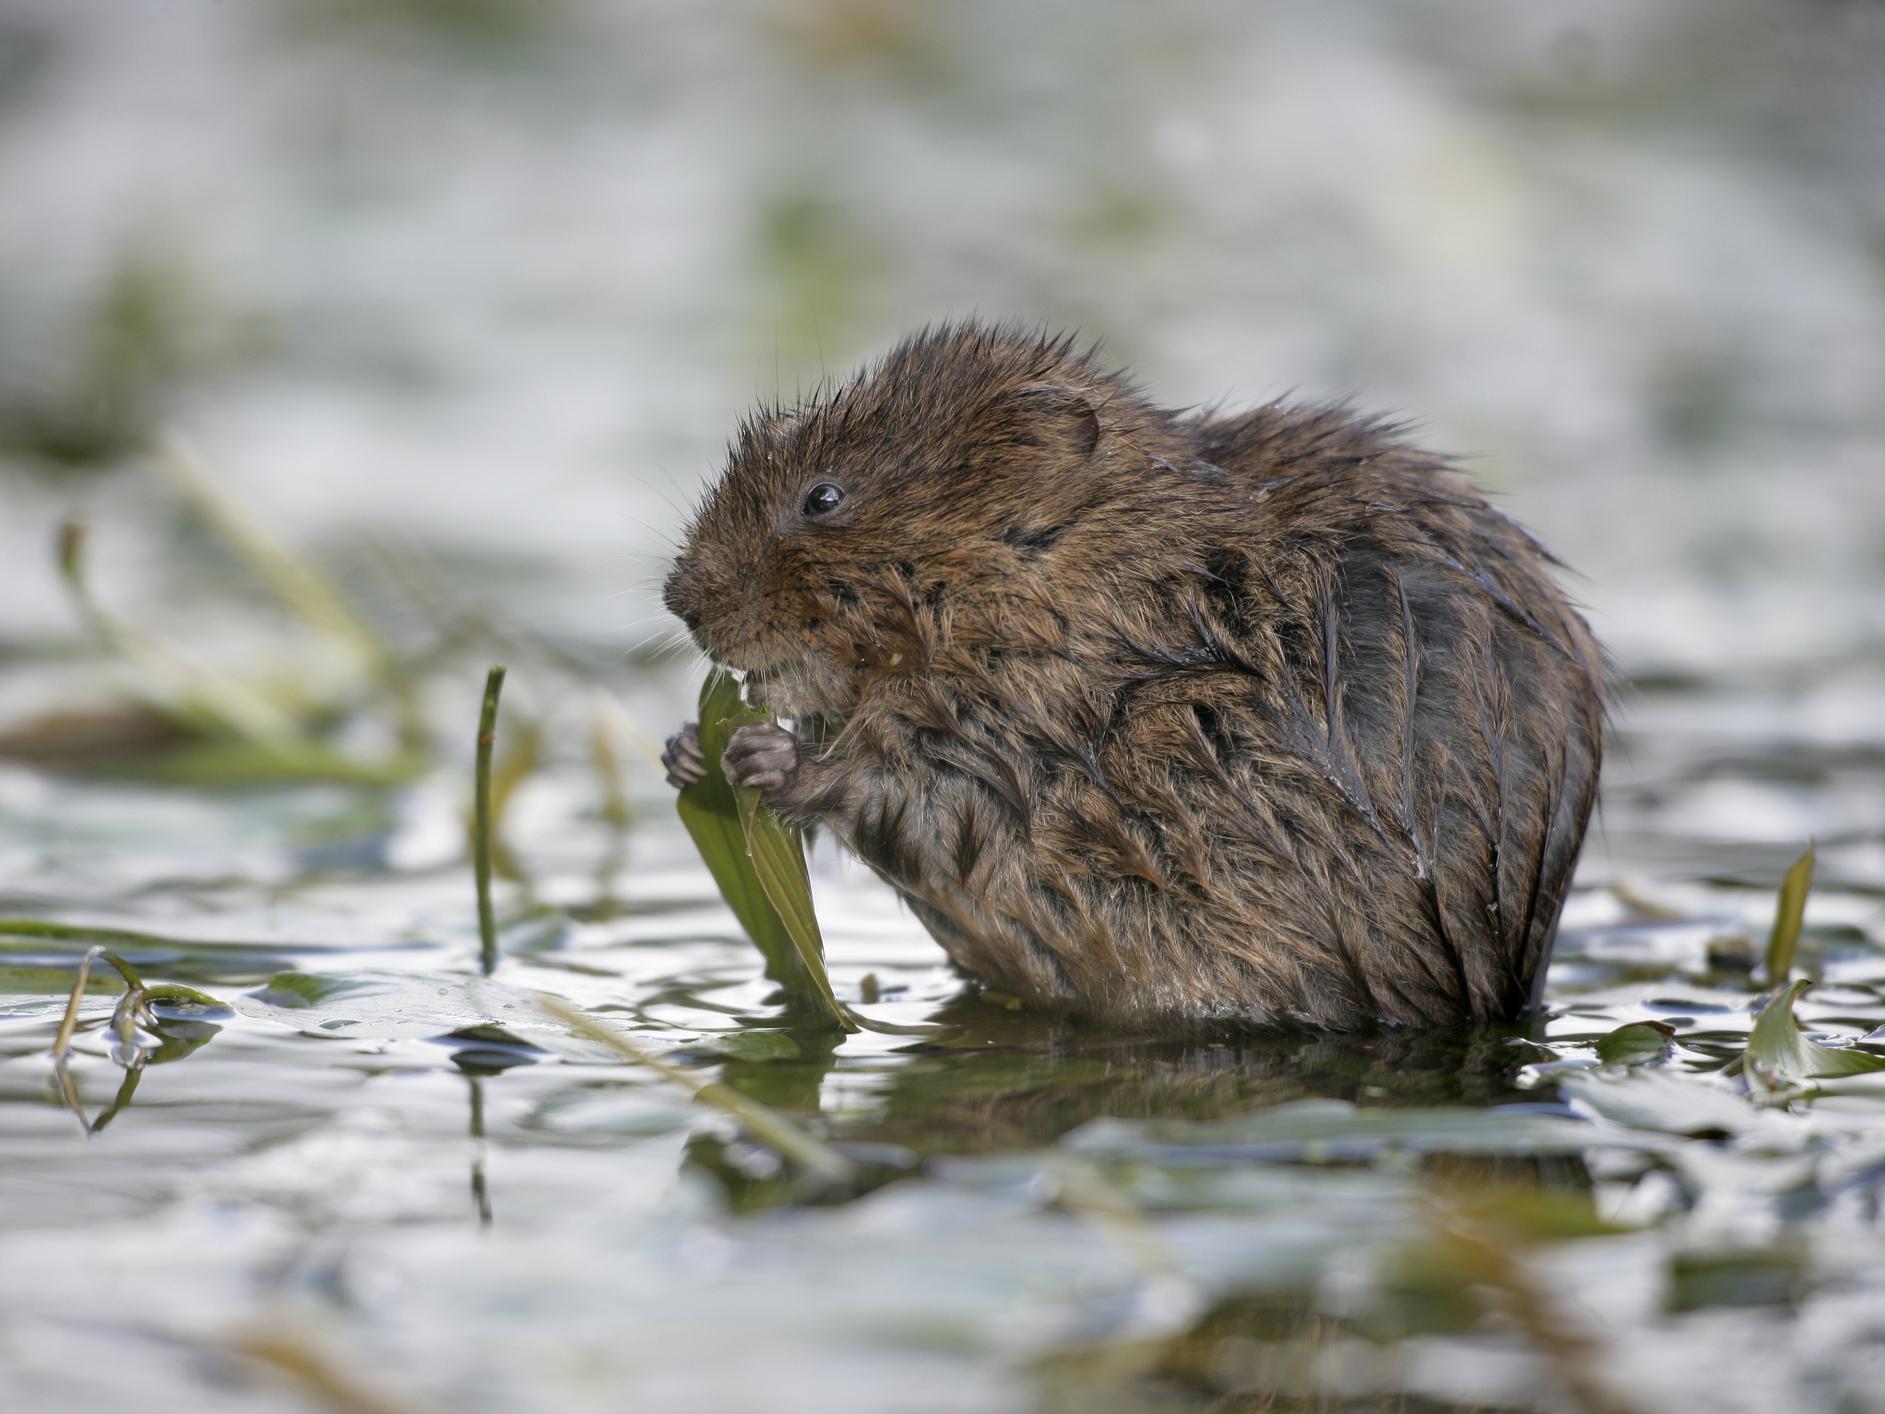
[
  {"x": 176, "y": 1038},
  {"x": 480, "y": 1190},
  {"x": 1043, "y": 1078},
  {"x": 69, "y": 1095},
  {"x": 1020, "y": 1083},
  {"x": 478, "y": 1052}
]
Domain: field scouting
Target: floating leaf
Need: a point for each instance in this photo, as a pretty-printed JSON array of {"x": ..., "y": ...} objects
[
  {"x": 470, "y": 1013},
  {"x": 1789, "y": 911},
  {"x": 388, "y": 1005},
  {"x": 293, "y": 991},
  {"x": 1636, "y": 1043},
  {"x": 172, "y": 1001},
  {"x": 1779, "y": 1054},
  {"x": 1658, "y": 1102},
  {"x": 486, "y": 1049}
]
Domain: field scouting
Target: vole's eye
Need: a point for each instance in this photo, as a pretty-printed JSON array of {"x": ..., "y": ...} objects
[{"x": 823, "y": 499}]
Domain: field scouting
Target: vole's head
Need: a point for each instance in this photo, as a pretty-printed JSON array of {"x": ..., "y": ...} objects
[{"x": 915, "y": 512}]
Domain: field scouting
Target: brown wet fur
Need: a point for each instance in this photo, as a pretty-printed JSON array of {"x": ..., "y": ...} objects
[{"x": 1166, "y": 720}]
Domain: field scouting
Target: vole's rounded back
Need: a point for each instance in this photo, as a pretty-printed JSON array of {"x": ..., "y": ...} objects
[{"x": 1162, "y": 719}]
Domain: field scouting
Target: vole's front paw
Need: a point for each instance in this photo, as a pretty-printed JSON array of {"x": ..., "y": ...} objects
[
  {"x": 764, "y": 756},
  {"x": 683, "y": 758}
]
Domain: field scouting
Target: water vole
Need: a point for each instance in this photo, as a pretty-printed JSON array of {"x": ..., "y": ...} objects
[{"x": 1167, "y": 720}]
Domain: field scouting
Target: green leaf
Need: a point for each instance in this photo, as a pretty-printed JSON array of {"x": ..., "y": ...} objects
[
  {"x": 1636, "y": 1043},
  {"x": 1779, "y": 1055},
  {"x": 1789, "y": 910},
  {"x": 711, "y": 813},
  {"x": 778, "y": 858},
  {"x": 292, "y": 991},
  {"x": 176, "y": 1002},
  {"x": 757, "y": 861},
  {"x": 1659, "y": 1102}
]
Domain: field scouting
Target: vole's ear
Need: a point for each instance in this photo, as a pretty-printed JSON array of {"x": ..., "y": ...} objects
[
  {"x": 1054, "y": 417},
  {"x": 766, "y": 427}
]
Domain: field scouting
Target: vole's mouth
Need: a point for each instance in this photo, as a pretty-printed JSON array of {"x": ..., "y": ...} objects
[
  {"x": 755, "y": 681},
  {"x": 791, "y": 686}
]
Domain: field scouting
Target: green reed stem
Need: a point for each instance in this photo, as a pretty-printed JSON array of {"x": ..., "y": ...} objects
[{"x": 481, "y": 819}]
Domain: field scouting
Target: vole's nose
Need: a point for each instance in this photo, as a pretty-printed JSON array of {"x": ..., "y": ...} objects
[{"x": 674, "y": 595}]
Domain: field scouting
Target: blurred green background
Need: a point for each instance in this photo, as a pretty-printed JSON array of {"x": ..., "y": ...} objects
[{"x": 499, "y": 275}]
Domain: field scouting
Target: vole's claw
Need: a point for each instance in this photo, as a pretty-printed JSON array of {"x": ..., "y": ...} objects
[
  {"x": 763, "y": 756},
  {"x": 683, "y": 757}
]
